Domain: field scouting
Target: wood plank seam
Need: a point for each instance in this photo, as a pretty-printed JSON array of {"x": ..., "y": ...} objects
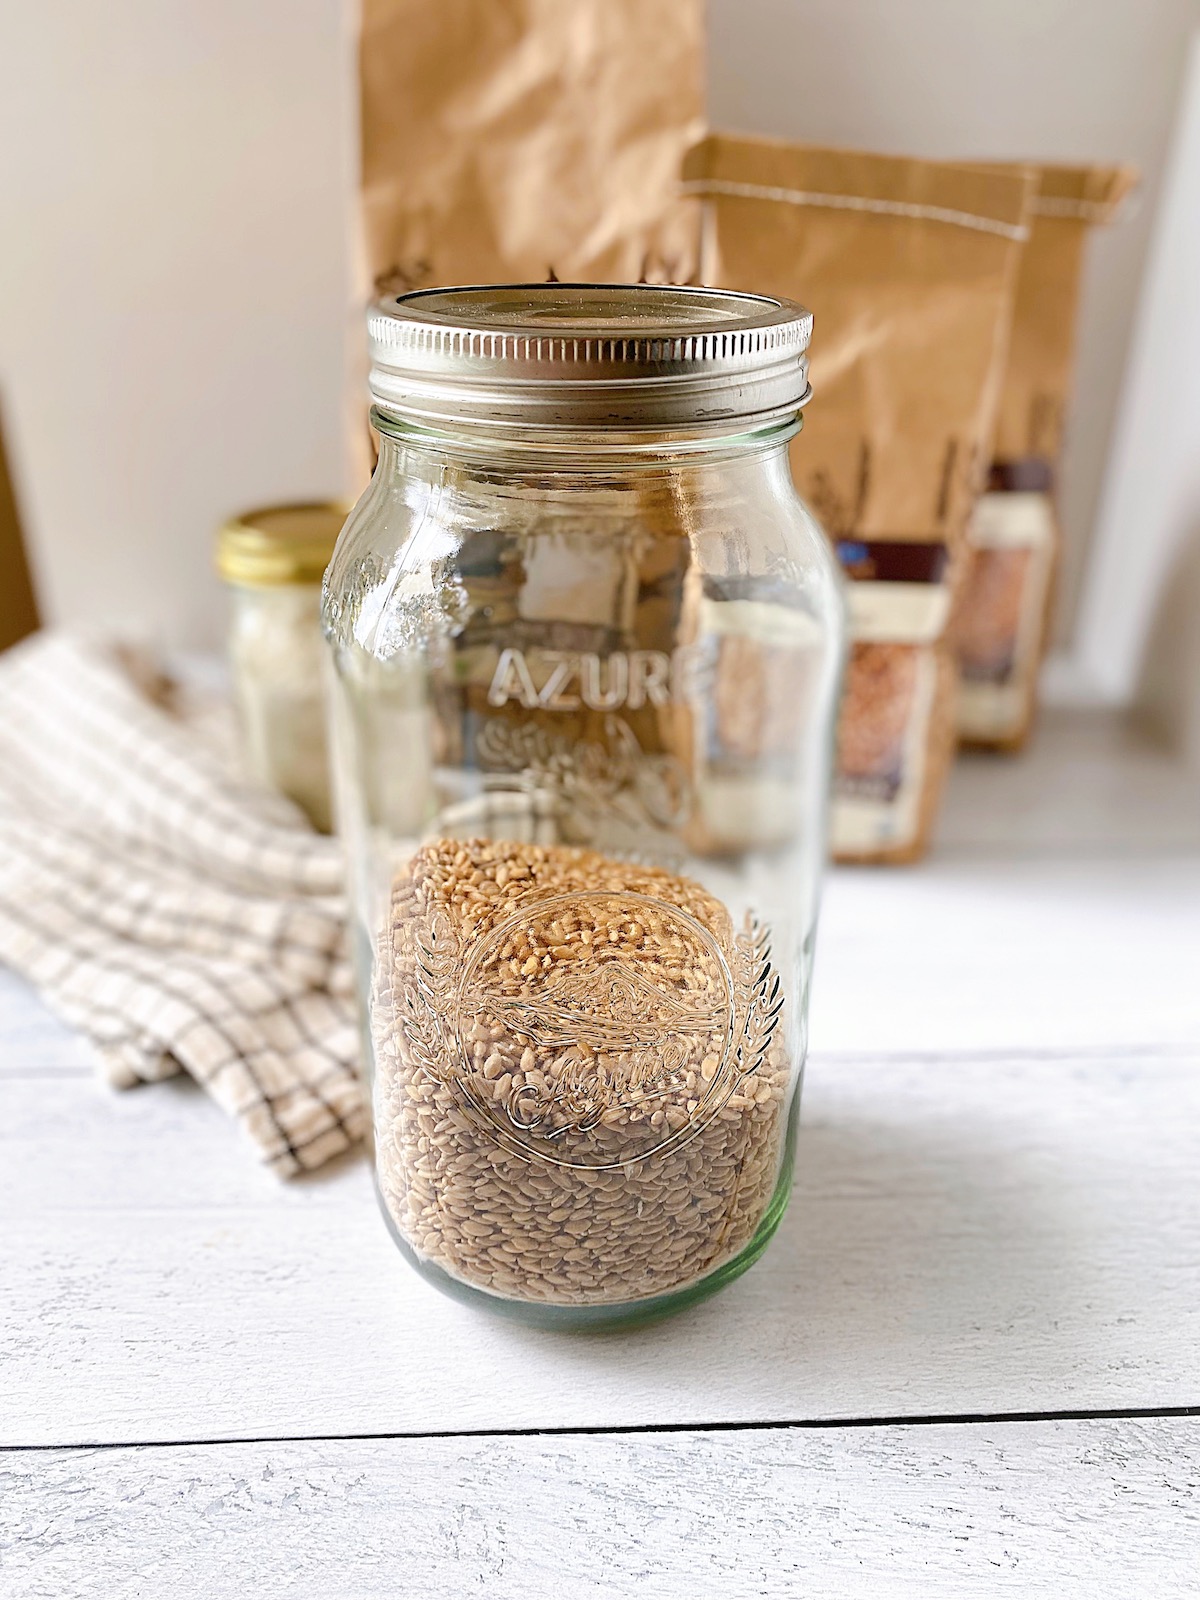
[{"x": 620, "y": 1430}]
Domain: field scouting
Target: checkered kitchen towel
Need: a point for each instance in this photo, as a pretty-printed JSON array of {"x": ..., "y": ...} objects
[{"x": 180, "y": 919}]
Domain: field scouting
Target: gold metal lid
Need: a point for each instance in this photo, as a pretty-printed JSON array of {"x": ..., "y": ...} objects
[
  {"x": 280, "y": 544},
  {"x": 555, "y": 356}
]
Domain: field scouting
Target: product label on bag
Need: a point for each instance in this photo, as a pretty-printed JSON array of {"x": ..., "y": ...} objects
[
  {"x": 1002, "y": 612},
  {"x": 898, "y": 590},
  {"x": 899, "y": 605},
  {"x": 882, "y": 746}
]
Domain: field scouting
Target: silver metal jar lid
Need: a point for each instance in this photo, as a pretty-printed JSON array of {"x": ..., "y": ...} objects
[{"x": 562, "y": 356}]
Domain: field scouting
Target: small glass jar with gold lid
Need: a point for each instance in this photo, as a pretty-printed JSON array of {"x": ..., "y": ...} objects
[{"x": 273, "y": 560}]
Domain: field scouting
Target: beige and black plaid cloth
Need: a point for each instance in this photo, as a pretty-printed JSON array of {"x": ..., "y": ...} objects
[{"x": 179, "y": 918}]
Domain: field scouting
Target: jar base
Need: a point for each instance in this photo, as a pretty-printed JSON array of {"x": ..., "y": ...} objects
[{"x": 620, "y": 1314}]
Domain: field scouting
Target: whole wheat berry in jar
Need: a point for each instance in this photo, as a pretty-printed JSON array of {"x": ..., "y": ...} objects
[{"x": 587, "y": 644}]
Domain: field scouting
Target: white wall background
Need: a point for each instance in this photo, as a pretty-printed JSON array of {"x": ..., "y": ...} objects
[
  {"x": 172, "y": 287},
  {"x": 174, "y": 189},
  {"x": 1140, "y": 613}
]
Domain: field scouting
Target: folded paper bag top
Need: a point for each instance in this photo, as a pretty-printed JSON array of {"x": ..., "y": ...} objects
[
  {"x": 908, "y": 267},
  {"x": 1037, "y": 377}
]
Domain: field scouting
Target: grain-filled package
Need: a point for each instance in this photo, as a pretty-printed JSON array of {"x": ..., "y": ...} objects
[
  {"x": 1002, "y": 610},
  {"x": 909, "y": 269}
]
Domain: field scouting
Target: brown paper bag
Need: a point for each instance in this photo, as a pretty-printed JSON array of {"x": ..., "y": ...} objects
[
  {"x": 508, "y": 140},
  {"x": 909, "y": 269},
  {"x": 1001, "y": 615}
]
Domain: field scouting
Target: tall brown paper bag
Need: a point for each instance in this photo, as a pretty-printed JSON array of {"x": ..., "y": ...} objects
[
  {"x": 1001, "y": 614},
  {"x": 909, "y": 269},
  {"x": 504, "y": 140}
]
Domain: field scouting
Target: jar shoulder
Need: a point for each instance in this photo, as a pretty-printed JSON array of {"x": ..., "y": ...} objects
[{"x": 419, "y": 549}]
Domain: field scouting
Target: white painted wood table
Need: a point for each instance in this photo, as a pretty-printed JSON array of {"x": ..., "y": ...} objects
[{"x": 969, "y": 1363}]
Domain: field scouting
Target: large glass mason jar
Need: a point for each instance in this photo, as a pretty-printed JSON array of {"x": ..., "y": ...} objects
[{"x": 586, "y": 646}]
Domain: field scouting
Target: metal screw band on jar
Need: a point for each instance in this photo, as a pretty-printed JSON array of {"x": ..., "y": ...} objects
[{"x": 576, "y": 356}]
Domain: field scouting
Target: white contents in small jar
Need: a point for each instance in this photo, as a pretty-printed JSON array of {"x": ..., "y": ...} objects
[
  {"x": 277, "y": 656},
  {"x": 273, "y": 560}
]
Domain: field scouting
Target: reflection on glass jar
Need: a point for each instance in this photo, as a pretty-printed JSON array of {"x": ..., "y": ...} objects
[{"x": 587, "y": 644}]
